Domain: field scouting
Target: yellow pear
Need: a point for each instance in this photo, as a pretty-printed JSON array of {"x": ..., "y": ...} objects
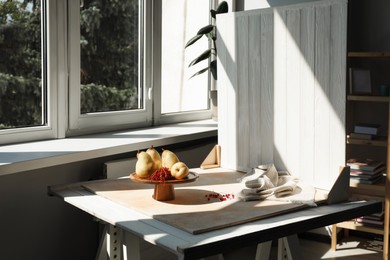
[
  {"x": 180, "y": 170},
  {"x": 144, "y": 167},
  {"x": 168, "y": 159},
  {"x": 155, "y": 157}
]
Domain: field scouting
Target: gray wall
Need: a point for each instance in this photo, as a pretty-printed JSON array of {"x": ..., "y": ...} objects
[{"x": 37, "y": 226}]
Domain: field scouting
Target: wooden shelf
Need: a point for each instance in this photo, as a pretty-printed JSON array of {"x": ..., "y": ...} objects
[
  {"x": 369, "y": 54},
  {"x": 360, "y": 191},
  {"x": 368, "y": 98},
  {"x": 374, "y": 142},
  {"x": 372, "y": 191},
  {"x": 360, "y": 110},
  {"x": 360, "y": 227}
]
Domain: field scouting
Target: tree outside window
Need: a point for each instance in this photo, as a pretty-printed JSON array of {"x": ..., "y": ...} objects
[
  {"x": 109, "y": 71},
  {"x": 21, "y": 84}
]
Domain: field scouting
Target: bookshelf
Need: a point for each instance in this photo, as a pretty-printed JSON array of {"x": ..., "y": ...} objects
[
  {"x": 364, "y": 191},
  {"x": 368, "y": 49},
  {"x": 366, "y": 148},
  {"x": 379, "y": 141},
  {"x": 377, "y": 191}
]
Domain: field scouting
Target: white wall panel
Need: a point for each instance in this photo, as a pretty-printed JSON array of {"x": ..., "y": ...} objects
[
  {"x": 265, "y": 104},
  {"x": 242, "y": 91},
  {"x": 227, "y": 83},
  {"x": 281, "y": 87},
  {"x": 307, "y": 81}
]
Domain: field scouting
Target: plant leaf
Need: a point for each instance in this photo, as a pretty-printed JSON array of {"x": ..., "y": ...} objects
[
  {"x": 206, "y": 29},
  {"x": 223, "y": 7},
  {"x": 213, "y": 69},
  {"x": 205, "y": 55},
  {"x": 213, "y": 13},
  {"x": 200, "y": 72},
  {"x": 193, "y": 40}
]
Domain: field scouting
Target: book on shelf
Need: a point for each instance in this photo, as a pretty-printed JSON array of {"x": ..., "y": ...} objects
[
  {"x": 360, "y": 81},
  {"x": 364, "y": 220},
  {"x": 367, "y": 181},
  {"x": 364, "y": 128},
  {"x": 366, "y": 176},
  {"x": 364, "y": 164},
  {"x": 380, "y": 170},
  {"x": 373, "y": 219},
  {"x": 361, "y": 136}
]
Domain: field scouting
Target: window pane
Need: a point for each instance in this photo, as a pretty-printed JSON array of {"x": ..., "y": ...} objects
[
  {"x": 181, "y": 20},
  {"x": 21, "y": 88},
  {"x": 109, "y": 56}
]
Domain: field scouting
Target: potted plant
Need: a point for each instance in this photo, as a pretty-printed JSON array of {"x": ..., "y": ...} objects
[{"x": 210, "y": 32}]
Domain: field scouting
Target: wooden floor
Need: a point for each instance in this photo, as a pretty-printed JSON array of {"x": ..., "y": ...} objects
[{"x": 352, "y": 248}]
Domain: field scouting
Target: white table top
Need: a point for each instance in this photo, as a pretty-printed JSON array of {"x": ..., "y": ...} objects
[{"x": 191, "y": 246}]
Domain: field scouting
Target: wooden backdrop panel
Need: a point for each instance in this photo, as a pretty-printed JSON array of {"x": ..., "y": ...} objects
[{"x": 281, "y": 89}]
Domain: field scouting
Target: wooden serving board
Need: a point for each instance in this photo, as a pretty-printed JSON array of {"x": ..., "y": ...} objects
[{"x": 192, "y": 210}]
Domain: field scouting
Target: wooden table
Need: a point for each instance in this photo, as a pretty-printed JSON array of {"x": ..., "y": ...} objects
[{"x": 127, "y": 225}]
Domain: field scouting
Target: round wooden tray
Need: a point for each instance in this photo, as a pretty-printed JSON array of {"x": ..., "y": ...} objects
[{"x": 164, "y": 190}]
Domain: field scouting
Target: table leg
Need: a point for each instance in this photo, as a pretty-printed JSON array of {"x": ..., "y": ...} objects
[
  {"x": 334, "y": 237},
  {"x": 131, "y": 245},
  {"x": 288, "y": 248},
  {"x": 110, "y": 246},
  {"x": 114, "y": 245},
  {"x": 102, "y": 250},
  {"x": 263, "y": 250}
]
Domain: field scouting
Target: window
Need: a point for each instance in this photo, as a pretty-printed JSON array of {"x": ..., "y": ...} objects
[
  {"x": 77, "y": 67},
  {"x": 25, "y": 107},
  {"x": 182, "y": 96},
  {"x": 106, "y": 84},
  {"x": 109, "y": 56},
  {"x": 180, "y": 21},
  {"x": 21, "y": 88}
]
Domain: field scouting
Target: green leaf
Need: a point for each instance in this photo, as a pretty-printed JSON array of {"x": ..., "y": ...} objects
[
  {"x": 200, "y": 72},
  {"x": 213, "y": 69},
  {"x": 205, "y": 55},
  {"x": 223, "y": 7},
  {"x": 206, "y": 29},
  {"x": 213, "y": 13},
  {"x": 193, "y": 40}
]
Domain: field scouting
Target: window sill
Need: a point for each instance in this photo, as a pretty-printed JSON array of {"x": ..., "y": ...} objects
[{"x": 36, "y": 155}]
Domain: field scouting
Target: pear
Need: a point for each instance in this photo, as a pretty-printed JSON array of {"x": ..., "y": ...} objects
[
  {"x": 155, "y": 157},
  {"x": 144, "y": 167},
  {"x": 180, "y": 170},
  {"x": 168, "y": 159}
]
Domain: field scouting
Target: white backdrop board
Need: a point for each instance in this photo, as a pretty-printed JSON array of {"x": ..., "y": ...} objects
[{"x": 281, "y": 89}]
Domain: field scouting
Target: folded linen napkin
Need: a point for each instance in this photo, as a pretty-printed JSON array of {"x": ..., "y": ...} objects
[{"x": 265, "y": 182}]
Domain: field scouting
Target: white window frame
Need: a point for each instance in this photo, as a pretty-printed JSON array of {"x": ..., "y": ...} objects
[
  {"x": 106, "y": 121},
  {"x": 160, "y": 118},
  {"x": 50, "y": 130},
  {"x": 63, "y": 81}
]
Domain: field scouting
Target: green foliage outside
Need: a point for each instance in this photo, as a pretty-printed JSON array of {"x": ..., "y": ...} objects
[
  {"x": 109, "y": 59},
  {"x": 109, "y": 45},
  {"x": 20, "y": 101},
  {"x": 101, "y": 98}
]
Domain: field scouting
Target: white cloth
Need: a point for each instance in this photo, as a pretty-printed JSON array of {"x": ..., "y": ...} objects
[{"x": 265, "y": 182}]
